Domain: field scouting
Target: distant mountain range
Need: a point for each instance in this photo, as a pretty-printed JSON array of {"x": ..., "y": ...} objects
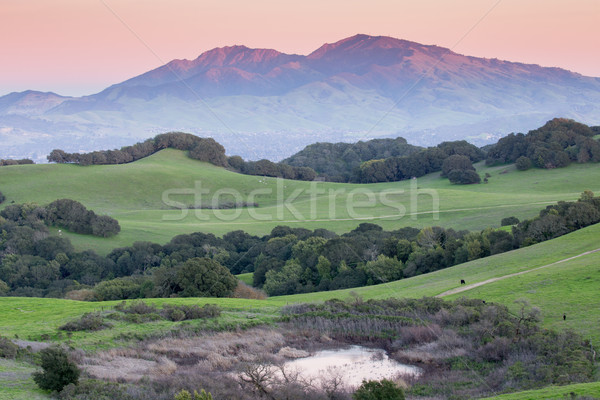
[{"x": 260, "y": 103}]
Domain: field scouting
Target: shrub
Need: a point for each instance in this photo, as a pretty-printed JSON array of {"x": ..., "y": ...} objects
[
  {"x": 58, "y": 370},
  {"x": 94, "y": 390},
  {"x": 82, "y": 295},
  {"x": 137, "y": 307},
  {"x": 186, "y": 312},
  {"x": 523, "y": 163},
  {"x": 7, "y": 348},
  {"x": 464, "y": 177},
  {"x": 243, "y": 291},
  {"x": 185, "y": 395},
  {"x": 88, "y": 322},
  {"x": 378, "y": 390},
  {"x": 509, "y": 221}
]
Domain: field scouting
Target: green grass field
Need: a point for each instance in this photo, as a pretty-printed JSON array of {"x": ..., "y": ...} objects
[
  {"x": 246, "y": 278},
  {"x": 554, "y": 392},
  {"x": 16, "y": 381},
  {"x": 134, "y": 194}
]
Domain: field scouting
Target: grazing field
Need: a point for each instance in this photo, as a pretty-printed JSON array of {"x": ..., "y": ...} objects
[{"x": 135, "y": 194}]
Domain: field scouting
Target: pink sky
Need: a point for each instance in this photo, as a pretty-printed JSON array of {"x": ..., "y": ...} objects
[{"x": 76, "y": 47}]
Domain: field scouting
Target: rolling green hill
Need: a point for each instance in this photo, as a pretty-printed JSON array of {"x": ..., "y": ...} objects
[
  {"x": 560, "y": 275},
  {"x": 134, "y": 194},
  {"x": 568, "y": 286}
]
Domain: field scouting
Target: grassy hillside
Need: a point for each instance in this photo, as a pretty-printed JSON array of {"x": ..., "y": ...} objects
[
  {"x": 133, "y": 193},
  {"x": 569, "y": 287},
  {"x": 590, "y": 390}
]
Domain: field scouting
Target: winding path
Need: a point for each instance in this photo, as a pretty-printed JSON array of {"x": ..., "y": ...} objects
[{"x": 474, "y": 285}]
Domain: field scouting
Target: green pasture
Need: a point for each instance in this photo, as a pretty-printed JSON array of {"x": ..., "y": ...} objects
[{"x": 143, "y": 196}]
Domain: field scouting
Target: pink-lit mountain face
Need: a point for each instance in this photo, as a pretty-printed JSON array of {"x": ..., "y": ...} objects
[{"x": 359, "y": 87}]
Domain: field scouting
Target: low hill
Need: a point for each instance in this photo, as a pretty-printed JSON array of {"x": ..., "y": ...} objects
[{"x": 141, "y": 196}]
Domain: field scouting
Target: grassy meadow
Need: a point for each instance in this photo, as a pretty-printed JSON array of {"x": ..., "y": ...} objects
[{"x": 135, "y": 195}]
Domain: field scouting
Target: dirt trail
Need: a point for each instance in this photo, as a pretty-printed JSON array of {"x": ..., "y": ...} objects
[{"x": 464, "y": 288}]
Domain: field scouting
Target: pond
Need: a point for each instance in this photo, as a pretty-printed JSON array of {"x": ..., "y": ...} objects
[{"x": 352, "y": 365}]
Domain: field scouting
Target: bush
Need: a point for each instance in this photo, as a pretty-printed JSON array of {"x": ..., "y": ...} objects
[
  {"x": 456, "y": 162},
  {"x": 94, "y": 390},
  {"x": 204, "y": 277},
  {"x": 137, "y": 307},
  {"x": 464, "y": 177},
  {"x": 58, "y": 370},
  {"x": 186, "y": 312},
  {"x": 243, "y": 291},
  {"x": 378, "y": 390},
  {"x": 523, "y": 163},
  {"x": 7, "y": 348},
  {"x": 185, "y": 395},
  {"x": 87, "y": 322},
  {"x": 509, "y": 221},
  {"x": 2, "y": 198}
]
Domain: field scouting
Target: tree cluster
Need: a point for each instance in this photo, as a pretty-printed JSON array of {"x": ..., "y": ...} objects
[
  {"x": 72, "y": 215},
  {"x": 337, "y": 162},
  {"x": 418, "y": 164},
  {"x": 16, "y": 162},
  {"x": 64, "y": 213},
  {"x": 459, "y": 169},
  {"x": 288, "y": 260},
  {"x": 556, "y": 144},
  {"x": 202, "y": 149}
]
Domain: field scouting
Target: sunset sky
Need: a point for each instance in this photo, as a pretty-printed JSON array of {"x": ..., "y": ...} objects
[{"x": 76, "y": 47}]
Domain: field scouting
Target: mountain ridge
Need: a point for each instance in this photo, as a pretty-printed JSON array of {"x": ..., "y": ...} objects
[{"x": 360, "y": 87}]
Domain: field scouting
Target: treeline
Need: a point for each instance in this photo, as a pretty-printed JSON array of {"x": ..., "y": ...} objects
[
  {"x": 64, "y": 213},
  {"x": 337, "y": 162},
  {"x": 556, "y": 144},
  {"x": 288, "y": 260},
  {"x": 202, "y": 149},
  {"x": 16, "y": 162},
  {"x": 418, "y": 164}
]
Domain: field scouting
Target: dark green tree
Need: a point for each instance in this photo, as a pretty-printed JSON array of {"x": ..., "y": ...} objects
[
  {"x": 378, "y": 390},
  {"x": 58, "y": 370},
  {"x": 203, "y": 277}
]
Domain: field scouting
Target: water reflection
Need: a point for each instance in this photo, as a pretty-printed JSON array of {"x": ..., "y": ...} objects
[{"x": 352, "y": 365}]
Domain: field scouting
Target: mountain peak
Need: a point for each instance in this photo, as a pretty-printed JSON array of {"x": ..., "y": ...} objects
[
  {"x": 237, "y": 55},
  {"x": 361, "y": 43}
]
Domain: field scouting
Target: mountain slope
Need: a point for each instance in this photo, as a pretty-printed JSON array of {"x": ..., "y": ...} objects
[{"x": 360, "y": 87}]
